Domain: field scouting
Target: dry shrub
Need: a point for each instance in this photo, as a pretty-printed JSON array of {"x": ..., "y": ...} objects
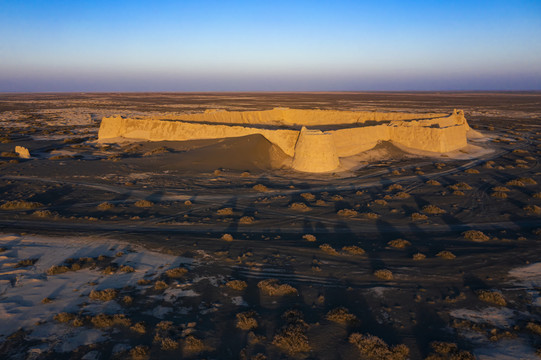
[
  {"x": 433, "y": 210},
  {"x": 379, "y": 202},
  {"x": 433, "y": 182},
  {"x": 43, "y": 213},
  {"x": 126, "y": 268},
  {"x": 337, "y": 197},
  {"x": 446, "y": 255},
  {"x": 272, "y": 287},
  {"x": 292, "y": 339},
  {"x": 499, "y": 195},
  {"x": 533, "y": 209},
  {"x": 458, "y": 193},
  {"x": 419, "y": 256},
  {"x": 143, "y": 282},
  {"x": 187, "y": 202},
  {"x": 110, "y": 270},
  {"x": 515, "y": 182},
  {"x": 309, "y": 237},
  {"x": 460, "y": 186},
  {"x": 246, "y": 220},
  {"x": 140, "y": 352},
  {"x": 401, "y": 195},
  {"x": 106, "y": 321},
  {"x": 246, "y": 174},
  {"x": 500, "y": 188},
  {"x": 20, "y": 205},
  {"x": 127, "y": 300},
  {"x": 168, "y": 344},
  {"x": 176, "y": 272},
  {"x": 340, "y": 315},
  {"x": 139, "y": 328},
  {"x": 353, "y": 250},
  {"x": 418, "y": 217},
  {"x": 399, "y": 243},
  {"x": 103, "y": 295},
  {"x": 384, "y": 274},
  {"x": 359, "y": 192},
  {"x": 299, "y": 206},
  {"x": 472, "y": 171},
  {"x": 2, "y": 249},
  {"x": 46, "y": 300},
  {"x": 225, "y": 212},
  {"x": 527, "y": 181},
  {"x": 394, "y": 187},
  {"x": 192, "y": 345},
  {"x": 320, "y": 202},
  {"x": 160, "y": 285},
  {"x": 492, "y": 297},
  {"x": 26, "y": 262},
  {"x": 537, "y": 195},
  {"x": 373, "y": 348},
  {"x": 236, "y": 285},
  {"x": 260, "y": 188},
  {"x": 227, "y": 237},
  {"x": 105, "y": 206},
  {"x": 448, "y": 351},
  {"x": 328, "y": 249},
  {"x": 157, "y": 151},
  {"x": 370, "y": 215},
  {"x": 64, "y": 317},
  {"x": 308, "y": 196},
  {"x": 476, "y": 235},
  {"x": 533, "y": 327},
  {"x": 57, "y": 269},
  {"x": 144, "y": 203},
  {"x": 347, "y": 212},
  {"x": 246, "y": 320}
]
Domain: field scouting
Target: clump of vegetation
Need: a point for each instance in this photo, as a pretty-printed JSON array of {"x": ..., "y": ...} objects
[
  {"x": 401, "y": 195},
  {"x": 140, "y": 352},
  {"x": 127, "y": 300},
  {"x": 308, "y": 196},
  {"x": 419, "y": 256},
  {"x": 309, "y": 237},
  {"x": 394, "y": 187},
  {"x": 192, "y": 346},
  {"x": 432, "y": 210},
  {"x": 126, "y": 269},
  {"x": 225, "y": 211},
  {"x": 433, "y": 182},
  {"x": 500, "y": 189},
  {"x": 167, "y": 344},
  {"x": 347, "y": 212},
  {"x": 353, "y": 250},
  {"x": 292, "y": 338},
  {"x": 260, "y": 188},
  {"x": 533, "y": 327},
  {"x": 328, "y": 249},
  {"x": 20, "y": 205},
  {"x": 246, "y": 220},
  {"x": 384, "y": 274},
  {"x": 144, "y": 203},
  {"x": 106, "y": 321},
  {"x": 446, "y": 255},
  {"x": 373, "y": 348},
  {"x": 26, "y": 262},
  {"x": 57, "y": 269},
  {"x": 399, "y": 243},
  {"x": 246, "y": 320},
  {"x": 458, "y": 193},
  {"x": 476, "y": 235},
  {"x": 103, "y": 295},
  {"x": 139, "y": 328},
  {"x": 236, "y": 285},
  {"x": 515, "y": 182},
  {"x": 157, "y": 151},
  {"x": 499, "y": 195},
  {"x": 272, "y": 287},
  {"x": 337, "y": 197},
  {"x": 44, "y": 213},
  {"x": 299, "y": 206},
  {"x": 460, "y": 186},
  {"x": 64, "y": 317},
  {"x": 160, "y": 285},
  {"x": 537, "y": 195},
  {"x": 105, "y": 206},
  {"x": 527, "y": 181},
  {"x": 227, "y": 237},
  {"x": 492, "y": 297},
  {"x": 370, "y": 215},
  {"x": 533, "y": 209},
  {"x": 176, "y": 272},
  {"x": 471, "y": 171},
  {"x": 448, "y": 351},
  {"x": 418, "y": 217},
  {"x": 340, "y": 315},
  {"x": 379, "y": 202}
]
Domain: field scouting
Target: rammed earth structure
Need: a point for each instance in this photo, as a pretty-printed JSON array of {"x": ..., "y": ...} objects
[{"x": 315, "y": 139}]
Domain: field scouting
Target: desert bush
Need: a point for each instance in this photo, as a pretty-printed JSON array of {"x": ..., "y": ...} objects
[
  {"x": 337, "y": 197},
  {"x": 160, "y": 285},
  {"x": 157, "y": 151},
  {"x": 448, "y": 351},
  {"x": 460, "y": 186},
  {"x": 176, "y": 272},
  {"x": 64, "y": 317},
  {"x": 394, "y": 187},
  {"x": 140, "y": 352},
  {"x": 2, "y": 249},
  {"x": 359, "y": 192},
  {"x": 299, "y": 206},
  {"x": 57, "y": 269},
  {"x": 43, "y": 213},
  {"x": 144, "y": 203},
  {"x": 260, "y": 188},
  {"x": 527, "y": 181},
  {"x": 353, "y": 250},
  {"x": 139, "y": 328},
  {"x": 499, "y": 195},
  {"x": 458, "y": 193},
  {"x": 246, "y": 320},
  {"x": 418, "y": 217},
  {"x": 533, "y": 209},
  {"x": 379, "y": 202},
  {"x": 419, "y": 256},
  {"x": 492, "y": 297},
  {"x": 309, "y": 237},
  {"x": 26, "y": 262},
  {"x": 168, "y": 344},
  {"x": 308, "y": 196},
  {"x": 20, "y": 205},
  {"x": 110, "y": 270},
  {"x": 103, "y": 295},
  {"x": 143, "y": 282},
  {"x": 476, "y": 235},
  {"x": 192, "y": 345},
  {"x": 401, "y": 195},
  {"x": 106, "y": 321},
  {"x": 370, "y": 215},
  {"x": 126, "y": 269},
  {"x": 347, "y": 212},
  {"x": 500, "y": 188},
  {"x": 399, "y": 243},
  {"x": 105, "y": 206},
  {"x": 533, "y": 327},
  {"x": 127, "y": 300},
  {"x": 384, "y": 274},
  {"x": 246, "y": 220},
  {"x": 373, "y": 348},
  {"x": 515, "y": 182},
  {"x": 272, "y": 287},
  {"x": 225, "y": 212},
  {"x": 432, "y": 209},
  {"x": 227, "y": 237},
  {"x": 433, "y": 182},
  {"x": 236, "y": 285},
  {"x": 537, "y": 195},
  {"x": 446, "y": 255},
  {"x": 328, "y": 249},
  {"x": 340, "y": 315},
  {"x": 472, "y": 171},
  {"x": 46, "y": 300},
  {"x": 292, "y": 339}
]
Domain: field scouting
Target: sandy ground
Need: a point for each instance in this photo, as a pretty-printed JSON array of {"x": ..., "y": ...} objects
[{"x": 80, "y": 217}]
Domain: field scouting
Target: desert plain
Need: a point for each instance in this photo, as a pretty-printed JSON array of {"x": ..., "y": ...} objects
[{"x": 214, "y": 249}]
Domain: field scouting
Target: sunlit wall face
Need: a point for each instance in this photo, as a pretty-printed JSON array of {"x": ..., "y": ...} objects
[{"x": 279, "y": 45}]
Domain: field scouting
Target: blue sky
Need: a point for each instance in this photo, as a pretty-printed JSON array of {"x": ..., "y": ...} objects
[{"x": 203, "y": 45}]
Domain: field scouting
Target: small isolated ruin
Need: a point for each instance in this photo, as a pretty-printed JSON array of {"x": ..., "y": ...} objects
[{"x": 314, "y": 139}]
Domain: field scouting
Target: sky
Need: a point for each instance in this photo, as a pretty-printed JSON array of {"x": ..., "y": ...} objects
[{"x": 306, "y": 45}]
